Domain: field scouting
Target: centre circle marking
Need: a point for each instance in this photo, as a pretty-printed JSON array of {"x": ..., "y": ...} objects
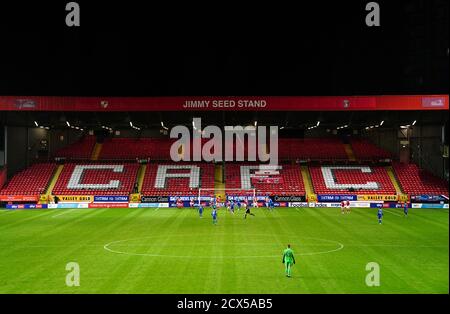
[{"x": 107, "y": 247}]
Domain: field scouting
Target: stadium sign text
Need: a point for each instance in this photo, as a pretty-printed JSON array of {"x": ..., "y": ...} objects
[
  {"x": 376, "y": 197},
  {"x": 75, "y": 198},
  {"x": 154, "y": 199},
  {"x": 289, "y": 198},
  {"x": 225, "y": 103}
]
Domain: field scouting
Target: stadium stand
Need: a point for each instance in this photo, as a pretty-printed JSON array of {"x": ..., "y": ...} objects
[
  {"x": 291, "y": 182},
  {"x": 366, "y": 150},
  {"x": 81, "y": 149},
  {"x": 31, "y": 181},
  {"x": 340, "y": 179},
  {"x": 157, "y": 180},
  {"x": 96, "y": 179},
  {"x": 417, "y": 182},
  {"x": 312, "y": 149},
  {"x": 119, "y": 178}
]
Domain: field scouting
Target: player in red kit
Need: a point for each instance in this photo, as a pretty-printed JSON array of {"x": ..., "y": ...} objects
[{"x": 347, "y": 206}]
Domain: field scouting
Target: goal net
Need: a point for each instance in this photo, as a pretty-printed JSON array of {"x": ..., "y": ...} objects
[{"x": 227, "y": 193}]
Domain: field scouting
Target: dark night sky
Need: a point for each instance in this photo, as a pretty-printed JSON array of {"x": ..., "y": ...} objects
[{"x": 128, "y": 50}]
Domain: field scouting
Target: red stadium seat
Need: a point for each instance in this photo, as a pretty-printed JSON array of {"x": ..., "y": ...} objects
[
  {"x": 152, "y": 186},
  {"x": 292, "y": 182},
  {"x": 365, "y": 150},
  {"x": 132, "y": 148},
  {"x": 364, "y": 180},
  {"x": 79, "y": 150},
  {"x": 118, "y": 181},
  {"x": 312, "y": 149},
  {"x": 31, "y": 181},
  {"x": 415, "y": 181}
]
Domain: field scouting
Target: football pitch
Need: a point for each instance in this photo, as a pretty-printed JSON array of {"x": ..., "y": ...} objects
[{"x": 165, "y": 250}]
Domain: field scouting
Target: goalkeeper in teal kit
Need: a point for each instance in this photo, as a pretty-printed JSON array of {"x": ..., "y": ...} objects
[{"x": 288, "y": 260}]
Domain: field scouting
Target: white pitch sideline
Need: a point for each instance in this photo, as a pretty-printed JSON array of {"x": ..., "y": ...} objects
[{"x": 68, "y": 211}]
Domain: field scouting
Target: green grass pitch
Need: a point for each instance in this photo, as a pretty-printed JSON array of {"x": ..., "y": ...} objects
[{"x": 174, "y": 251}]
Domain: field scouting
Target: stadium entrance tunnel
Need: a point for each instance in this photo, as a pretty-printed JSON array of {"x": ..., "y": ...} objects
[{"x": 231, "y": 246}]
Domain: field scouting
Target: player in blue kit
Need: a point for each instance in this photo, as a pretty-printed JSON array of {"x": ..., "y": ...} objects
[
  {"x": 200, "y": 210},
  {"x": 214, "y": 216},
  {"x": 238, "y": 203},
  {"x": 271, "y": 204},
  {"x": 232, "y": 205},
  {"x": 380, "y": 215},
  {"x": 213, "y": 202},
  {"x": 405, "y": 208}
]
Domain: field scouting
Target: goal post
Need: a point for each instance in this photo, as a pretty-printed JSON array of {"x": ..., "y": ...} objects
[{"x": 208, "y": 191}]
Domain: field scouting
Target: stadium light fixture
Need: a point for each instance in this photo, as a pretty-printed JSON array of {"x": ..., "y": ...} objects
[
  {"x": 318, "y": 123},
  {"x": 256, "y": 123},
  {"x": 68, "y": 124},
  {"x": 282, "y": 127},
  {"x": 131, "y": 124},
  {"x": 36, "y": 124},
  {"x": 47, "y": 128},
  {"x": 414, "y": 122},
  {"x": 381, "y": 123}
]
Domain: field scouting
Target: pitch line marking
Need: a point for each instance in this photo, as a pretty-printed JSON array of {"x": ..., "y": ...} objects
[
  {"x": 393, "y": 213},
  {"x": 64, "y": 212},
  {"x": 144, "y": 245},
  {"x": 68, "y": 211},
  {"x": 106, "y": 247}
]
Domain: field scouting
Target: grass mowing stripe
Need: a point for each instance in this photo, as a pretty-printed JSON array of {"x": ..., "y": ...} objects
[
  {"x": 419, "y": 213},
  {"x": 125, "y": 270},
  {"x": 403, "y": 226},
  {"x": 67, "y": 211},
  {"x": 49, "y": 261},
  {"x": 393, "y": 213},
  {"x": 26, "y": 216}
]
